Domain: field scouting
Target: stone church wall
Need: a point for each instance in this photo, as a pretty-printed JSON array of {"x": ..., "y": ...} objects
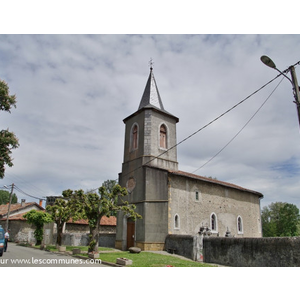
[{"x": 225, "y": 202}]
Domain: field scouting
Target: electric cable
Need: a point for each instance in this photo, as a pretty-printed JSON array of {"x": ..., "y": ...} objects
[
  {"x": 21, "y": 181},
  {"x": 240, "y": 129},
  {"x": 197, "y": 131},
  {"x": 211, "y": 122},
  {"x": 20, "y": 191}
]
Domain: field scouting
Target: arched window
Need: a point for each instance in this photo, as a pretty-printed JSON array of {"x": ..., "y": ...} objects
[
  {"x": 239, "y": 224},
  {"x": 176, "y": 222},
  {"x": 163, "y": 137},
  {"x": 134, "y": 137},
  {"x": 213, "y": 222}
]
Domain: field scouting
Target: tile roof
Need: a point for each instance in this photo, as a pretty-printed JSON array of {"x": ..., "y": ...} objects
[
  {"x": 206, "y": 179},
  {"x": 15, "y": 217},
  {"x": 105, "y": 221},
  {"x": 15, "y": 207}
]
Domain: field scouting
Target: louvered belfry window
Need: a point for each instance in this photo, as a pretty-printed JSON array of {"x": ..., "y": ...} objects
[
  {"x": 163, "y": 137},
  {"x": 134, "y": 137}
]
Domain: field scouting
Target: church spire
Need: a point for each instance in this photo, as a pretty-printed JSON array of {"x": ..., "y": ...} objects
[{"x": 151, "y": 95}]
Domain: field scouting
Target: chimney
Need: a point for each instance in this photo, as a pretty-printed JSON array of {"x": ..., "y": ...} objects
[
  {"x": 23, "y": 202},
  {"x": 41, "y": 202}
]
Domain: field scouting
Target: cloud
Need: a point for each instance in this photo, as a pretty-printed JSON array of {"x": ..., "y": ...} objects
[{"x": 73, "y": 92}]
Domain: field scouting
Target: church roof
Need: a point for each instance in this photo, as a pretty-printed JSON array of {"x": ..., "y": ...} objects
[
  {"x": 151, "y": 95},
  {"x": 215, "y": 181},
  {"x": 151, "y": 98}
]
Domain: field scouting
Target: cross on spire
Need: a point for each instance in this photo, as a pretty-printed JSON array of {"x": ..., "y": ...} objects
[{"x": 151, "y": 63}]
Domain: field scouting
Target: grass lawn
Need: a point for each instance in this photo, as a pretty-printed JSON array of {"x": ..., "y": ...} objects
[
  {"x": 149, "y": 259},
  {"x": 142, "y": 259}
]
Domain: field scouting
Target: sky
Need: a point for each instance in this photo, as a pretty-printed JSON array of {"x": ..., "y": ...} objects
[
  {"x": 79, "y": 69},
  {"x": 73, "y": 92}
]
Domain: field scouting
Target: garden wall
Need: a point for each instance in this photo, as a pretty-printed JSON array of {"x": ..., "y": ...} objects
[
  {"x": 237, "y": 252},
  {"x": 82, "y": 239},
  {"x": 184, "y": 245},
  {"x": 252, "y": 252}
]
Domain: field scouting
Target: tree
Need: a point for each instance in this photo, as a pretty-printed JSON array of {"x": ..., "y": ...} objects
[
  {"x": 8, "y": 140},
  {"x": 61, "y": 212},
  {"x": 94, "y": 206},
  {"x": 109, "y": 186},
  {"x": 280, "y": 219},
  {"x": 4, "y": 197},
  {"x": 38, "y": 218}
]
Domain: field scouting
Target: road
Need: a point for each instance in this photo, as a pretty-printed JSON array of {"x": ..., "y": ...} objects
[{"x": 18, "y": 256}]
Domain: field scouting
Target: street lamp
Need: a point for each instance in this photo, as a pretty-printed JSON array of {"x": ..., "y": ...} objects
[{"x": 269, "y": 62}]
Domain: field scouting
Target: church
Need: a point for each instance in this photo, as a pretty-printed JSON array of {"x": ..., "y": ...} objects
[{"x": 171, "y": 201}]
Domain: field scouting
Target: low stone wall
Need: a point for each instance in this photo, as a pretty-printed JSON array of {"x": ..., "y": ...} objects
[
  {"x": 107, "y": 240},
  {"x": 82, "y": 239},
  {"x": 184, "y": 245},
  {"x": 252, "y": 252}
]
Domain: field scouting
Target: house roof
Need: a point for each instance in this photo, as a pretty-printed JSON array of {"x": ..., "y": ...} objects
[
  {"x": 215, "y": 181},
  {"x": 17, "y": 207},
  {"x": 105, "y": 221},
  {"x": 15, "y": 217}
]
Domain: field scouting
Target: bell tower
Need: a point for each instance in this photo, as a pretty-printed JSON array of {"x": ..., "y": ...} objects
[{"x": 149, "y": 133}]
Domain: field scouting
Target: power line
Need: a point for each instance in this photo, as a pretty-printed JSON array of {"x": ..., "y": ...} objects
[
  {"x": 21, "y": 181},
  {"x": 240, "y": 129},
  {"x": 211, "y": 122},
  {"x": 20, "y": 191},
  {"x": 194, "y": 133}
]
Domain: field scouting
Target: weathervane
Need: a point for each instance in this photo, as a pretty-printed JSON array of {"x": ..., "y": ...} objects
[{"x": 151, "y": 63}]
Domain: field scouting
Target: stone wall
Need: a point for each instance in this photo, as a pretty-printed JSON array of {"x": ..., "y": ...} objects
[
  {"x": 226, "y": 203},
  {"x": 184, "y": 245},
  {"x": 252, "y": 252},
  {"x": 82, "y": 239},
  {"x": 20, "y": 231}
]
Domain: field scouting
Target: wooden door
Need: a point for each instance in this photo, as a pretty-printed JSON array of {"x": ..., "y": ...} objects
[{"x": 130, "y": 234}]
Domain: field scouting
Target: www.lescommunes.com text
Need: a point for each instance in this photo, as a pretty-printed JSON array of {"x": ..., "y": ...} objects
[{"x": 49, "y": 261}]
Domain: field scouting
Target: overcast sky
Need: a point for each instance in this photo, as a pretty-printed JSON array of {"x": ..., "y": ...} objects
[{"x": 73, "y": 91}]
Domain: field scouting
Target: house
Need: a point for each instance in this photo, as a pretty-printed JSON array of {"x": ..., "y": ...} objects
[
  {"x": 76, "y": 233},
  {"x": 20, "y": 230},
  {"x": 171, "y": 201}
]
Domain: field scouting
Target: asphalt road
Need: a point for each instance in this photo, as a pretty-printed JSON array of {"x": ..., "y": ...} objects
[{"x": 18, "y": 256}]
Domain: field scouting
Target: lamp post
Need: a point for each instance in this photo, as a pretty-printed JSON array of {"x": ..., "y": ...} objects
[
  {"x": 269, "y": 62},
  {"x": 8, "y": 211}
]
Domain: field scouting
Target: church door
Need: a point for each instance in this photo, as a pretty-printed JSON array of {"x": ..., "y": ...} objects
[{"x": 130, "y": 233}]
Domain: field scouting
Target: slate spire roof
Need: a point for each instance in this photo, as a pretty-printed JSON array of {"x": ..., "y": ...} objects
[
  {"x": 151, "y": 95},
  {"x": 151, "y": 98}
]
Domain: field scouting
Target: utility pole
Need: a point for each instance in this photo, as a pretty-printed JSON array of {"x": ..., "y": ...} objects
[
  {"x": 296, "y": 90},
  {"x": 8, "y": 211},
  {"x": 269, "y": 62}
]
